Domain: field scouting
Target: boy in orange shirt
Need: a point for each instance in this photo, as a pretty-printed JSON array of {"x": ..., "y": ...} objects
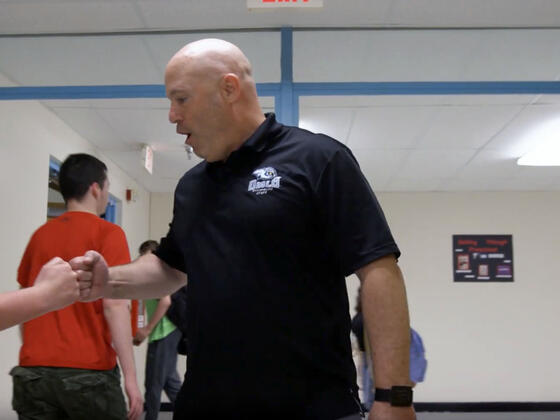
[{"x": 68, "y": 360}]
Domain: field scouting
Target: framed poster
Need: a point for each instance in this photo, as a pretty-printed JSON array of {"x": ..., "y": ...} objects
[{"x": 482, "y": 258}]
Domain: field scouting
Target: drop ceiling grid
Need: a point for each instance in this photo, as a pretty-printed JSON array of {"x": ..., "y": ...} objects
[{"x": 63, "y": 61}]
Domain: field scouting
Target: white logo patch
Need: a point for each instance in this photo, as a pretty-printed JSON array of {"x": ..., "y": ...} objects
[{"x": 266, "y": 180}]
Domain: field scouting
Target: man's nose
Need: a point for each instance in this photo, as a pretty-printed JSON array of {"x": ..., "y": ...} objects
[{"x": 173, "y": 116}]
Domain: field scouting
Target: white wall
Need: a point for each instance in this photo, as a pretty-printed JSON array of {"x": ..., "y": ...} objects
[
  {"x": 484, "y": 342},
  {"x": 161, "y": 213},
  {"x": 29, "y": 134}
]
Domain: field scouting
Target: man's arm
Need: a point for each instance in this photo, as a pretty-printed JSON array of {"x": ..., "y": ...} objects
[
  {"x": 117, "y": 315},
  {"x": 385, "y": 311},
  {"x": 162, "y": 307},
  {"x": 146, "y": 277}
]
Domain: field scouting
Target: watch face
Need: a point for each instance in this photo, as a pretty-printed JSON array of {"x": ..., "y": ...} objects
[{"x": 401, "y": 396}]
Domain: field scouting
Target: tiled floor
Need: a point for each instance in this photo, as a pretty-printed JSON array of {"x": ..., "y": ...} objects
[
  {"x": 488, "y": 416},
  {"x": 462, "y": 416}
]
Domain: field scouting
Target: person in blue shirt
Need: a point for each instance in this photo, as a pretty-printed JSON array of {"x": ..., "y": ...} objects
[{"x": 418, "y": 362}]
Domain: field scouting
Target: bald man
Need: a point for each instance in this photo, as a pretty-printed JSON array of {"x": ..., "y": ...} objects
[{"x": 265, "y": 229}]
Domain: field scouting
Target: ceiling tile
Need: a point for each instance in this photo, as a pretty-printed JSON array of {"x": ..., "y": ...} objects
[
  {"x": 378, "y": 56},
  {"x": 108, "y": 60},
  {"x": 137, "y": 126},
  {"x": 476, "y": 13},
  {"x": 54, "y": 16},
  {"x": 92, "y": 127},
  {"x": 515, "y": 55},
  {"x": 397, "y": 127},
  {"x": 463, "y": 127},
  {"x": 434, "y": 163},
  {"x": 487, "y": 165},
  {"x": 518, "y": 137},
  {"x": 333, "y": 122},
  {"x": 379, "y": 166},
  {"x": 548, "y": 99}
]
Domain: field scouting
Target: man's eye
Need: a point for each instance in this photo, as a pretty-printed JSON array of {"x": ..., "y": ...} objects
[{"x": 181, "y": 100}]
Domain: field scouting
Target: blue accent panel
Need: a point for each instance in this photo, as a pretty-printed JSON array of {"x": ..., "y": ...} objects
[
  {"x": 284, "y": 107},
  {"x": 299, "y": 89},
  {"x": 295, "y": 110},
  {"x": 426, "y": 88},
  {"x": 103, "y": 91},
  {"x": 286, "y": 52},
  {"x": 82, "y": 92},
  {"x": 268, "y": 89}
]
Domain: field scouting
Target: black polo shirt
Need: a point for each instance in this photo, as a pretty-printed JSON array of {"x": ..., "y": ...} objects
[{"x": 266, "y": 239}]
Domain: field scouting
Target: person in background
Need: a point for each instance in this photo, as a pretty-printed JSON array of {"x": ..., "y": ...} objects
[
  {"x": 161, "y": 358},
  {"x": 418, "y": 362},
  {"x": 68, "y": 360},
  {"x": 266, "y": 229},
  {"x": 357, "y": 328}
]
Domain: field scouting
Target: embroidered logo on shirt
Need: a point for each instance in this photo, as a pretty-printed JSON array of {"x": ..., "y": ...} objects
[{"x": 266, "y": 180}]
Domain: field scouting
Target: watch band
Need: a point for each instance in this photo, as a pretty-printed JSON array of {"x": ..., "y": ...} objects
[{"x": 397, "y": 396}]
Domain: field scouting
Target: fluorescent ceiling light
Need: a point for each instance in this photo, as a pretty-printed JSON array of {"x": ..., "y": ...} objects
[{"x": 546, "y": 152}]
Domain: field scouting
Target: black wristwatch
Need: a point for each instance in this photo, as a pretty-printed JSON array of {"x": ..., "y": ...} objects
[{"x": 398, "y": 396}]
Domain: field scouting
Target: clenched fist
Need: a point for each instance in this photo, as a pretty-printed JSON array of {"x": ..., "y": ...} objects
[
  {"x": 93, "y": 275},
  {"x": 58, "y": 284}
]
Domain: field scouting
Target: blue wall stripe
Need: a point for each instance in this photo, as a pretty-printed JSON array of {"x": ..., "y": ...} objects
[
  {"x": 103, "y": 92},
  {"x": 286, "y": 55},
  {"x": 285, "y": 110},
  {"x": 268, "y": 89},
  {"x": 299, "y": 89},
  {"x": 82, "y": 92},
  {"x": 295, "y": 110}
]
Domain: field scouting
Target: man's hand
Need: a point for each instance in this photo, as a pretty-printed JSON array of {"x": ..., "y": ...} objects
[
  {"x": 58, "y": 283},
  {"x": 135, "y": 400},
  {"x": 93, "y": 275},
  {"x": 140, "y": 336},
  {"x": 384, "y": 411}
]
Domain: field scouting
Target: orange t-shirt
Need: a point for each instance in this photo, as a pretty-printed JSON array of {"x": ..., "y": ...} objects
[{"x": 77, "y": 336}]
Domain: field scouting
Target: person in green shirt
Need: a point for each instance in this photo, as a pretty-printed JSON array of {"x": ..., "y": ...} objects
[{"x": 161, "y": 358}]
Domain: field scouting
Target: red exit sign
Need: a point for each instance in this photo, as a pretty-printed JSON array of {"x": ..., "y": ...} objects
[{"x": 269, "y": 4}]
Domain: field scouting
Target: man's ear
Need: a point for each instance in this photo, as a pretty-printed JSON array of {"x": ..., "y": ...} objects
[
  {"x": 95, "y": 190},
  {"x": 230, "y": 87}
]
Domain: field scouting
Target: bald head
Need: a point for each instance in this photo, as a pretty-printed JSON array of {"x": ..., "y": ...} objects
[
  {"x": 213, "y": 97},
  {"x": 213, "y": 58}
]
